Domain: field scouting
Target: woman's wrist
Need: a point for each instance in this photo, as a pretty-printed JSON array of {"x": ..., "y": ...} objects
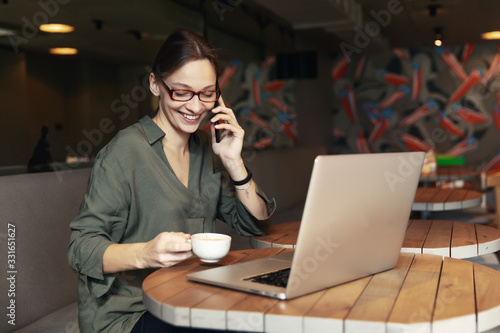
[
  {"x": 123, "y": 257},
  {"x": 236, "y": 169},
  {"x": 139, "y": 256},
  {"x": 243, "y": 181}
]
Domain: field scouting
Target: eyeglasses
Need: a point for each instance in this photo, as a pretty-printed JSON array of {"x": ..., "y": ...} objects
[{"x": 181, "y": 95}]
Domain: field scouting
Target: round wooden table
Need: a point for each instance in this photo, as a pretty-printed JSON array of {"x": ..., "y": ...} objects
[
  {"x": 450, "y": 173},
  {"x": 432, "y": 199},
  {"x": 423, "y": 293},
  {"x": 447, "y": 238}
]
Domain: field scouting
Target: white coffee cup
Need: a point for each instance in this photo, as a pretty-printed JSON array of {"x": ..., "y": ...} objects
[{"x": 210, "y": 247}]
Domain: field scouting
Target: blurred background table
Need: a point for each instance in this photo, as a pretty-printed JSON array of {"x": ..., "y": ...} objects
[
  {"x": 441, "y": 237},
  {"x": 439, "y": 199},
  {"x": 450, "y": 174}
]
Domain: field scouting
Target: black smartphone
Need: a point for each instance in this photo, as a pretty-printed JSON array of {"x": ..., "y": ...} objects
[{"x": 218, "y": 132}]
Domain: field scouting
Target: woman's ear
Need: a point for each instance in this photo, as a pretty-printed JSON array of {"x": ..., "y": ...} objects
[{"x": 153, "y": 85}]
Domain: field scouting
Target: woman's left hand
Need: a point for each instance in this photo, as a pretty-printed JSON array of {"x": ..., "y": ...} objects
[
  {"x": 231, "y": 143},
  {"x": 229, "y": 151}
]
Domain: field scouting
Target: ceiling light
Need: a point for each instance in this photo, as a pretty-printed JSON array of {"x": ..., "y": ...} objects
[
  {"x": 56, "y": 28},
  {"x": 6, "y": 32},
  {"x": 63, "y": 50},
  {"x": 438, "y": 36},
  {"x": 491, "y": 35}
]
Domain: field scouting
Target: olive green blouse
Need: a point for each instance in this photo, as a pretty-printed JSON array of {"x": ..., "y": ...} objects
[{"x": 132, "y": 196}]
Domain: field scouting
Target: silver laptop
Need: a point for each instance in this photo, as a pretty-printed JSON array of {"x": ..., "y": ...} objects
[{"x": 354, "y": 221}]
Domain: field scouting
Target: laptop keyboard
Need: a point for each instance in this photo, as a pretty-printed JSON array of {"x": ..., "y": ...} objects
[{"x": 276, "y": 278}]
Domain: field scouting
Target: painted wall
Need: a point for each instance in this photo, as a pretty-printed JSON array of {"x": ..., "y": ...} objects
[
  {"x": 277, "y": 113},
  {"x": 263, "y": 104},
  {"x": 82, "y": 102},
  {"x": 445, "y": 99},
  {"x": 14, "y": 117}
]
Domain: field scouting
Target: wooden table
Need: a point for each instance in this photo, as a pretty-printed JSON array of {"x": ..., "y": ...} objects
[
  {"x": 442, "y": 237},
  {"x": 432, "y": 199},
  {"x": 451, "y": 173},
  {"x": 423, "y": 293}
]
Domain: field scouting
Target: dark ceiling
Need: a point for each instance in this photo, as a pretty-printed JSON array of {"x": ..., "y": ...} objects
[{"x": 131, "y": 30}]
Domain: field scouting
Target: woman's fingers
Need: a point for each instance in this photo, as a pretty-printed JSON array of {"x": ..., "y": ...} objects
[
  {"x": 173, "y": 242},
  {"x": 225, "y": 121},
  {"x": 168, "y": 249},
  {"x": 223, "y": 113},
  {"x": 221, "y": 101},
  {"x": 170, "y": 259},
  {"x": 235, "y": 129}
]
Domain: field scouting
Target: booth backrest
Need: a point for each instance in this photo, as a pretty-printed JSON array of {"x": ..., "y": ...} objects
[
  {"x": 283, "y": 173},
  {"x": 35, "y": 213}
]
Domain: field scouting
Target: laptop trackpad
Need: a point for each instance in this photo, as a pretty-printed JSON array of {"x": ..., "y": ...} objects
[{"x": 288, "y": 256}]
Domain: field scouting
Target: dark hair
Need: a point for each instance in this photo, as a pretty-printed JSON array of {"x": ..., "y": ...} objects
[{"x": 181, "y": 47}]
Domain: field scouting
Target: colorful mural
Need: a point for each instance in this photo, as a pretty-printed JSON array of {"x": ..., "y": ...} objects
[
  {"x": 442, "y": 99},
  {"x": 262, "y": 104},
  {"x": 446, "y": 99}
]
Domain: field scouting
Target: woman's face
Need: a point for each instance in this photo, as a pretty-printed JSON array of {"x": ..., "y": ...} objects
[{"x": 196, "y": 76}]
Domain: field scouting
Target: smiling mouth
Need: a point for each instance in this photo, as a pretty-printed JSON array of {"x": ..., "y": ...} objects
[{"x": 190, "y": 117}]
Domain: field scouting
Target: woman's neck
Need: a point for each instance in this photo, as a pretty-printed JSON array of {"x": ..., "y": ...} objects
[{"x": 173, "y": 140}]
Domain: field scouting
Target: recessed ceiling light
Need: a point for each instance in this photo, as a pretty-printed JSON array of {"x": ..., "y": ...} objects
[
  {"x": 491, "y": 35},
  {"x": 56, "y": 28},
  {"x": 63, "y": 50},
  {"x": 438, "y": 37}
]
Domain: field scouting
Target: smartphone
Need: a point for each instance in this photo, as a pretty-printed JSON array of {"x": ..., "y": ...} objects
[{"x": 218, "y": 132}]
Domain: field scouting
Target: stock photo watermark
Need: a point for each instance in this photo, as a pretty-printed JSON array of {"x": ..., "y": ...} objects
[
  {"x": 444, "y": 299},
  {"x": 222, "y": 6},
  {"x": 11, "y": 274},
  {"x": 95, "y": 137},
  {"x": 252, "y": 321},
  {"x": 29, "y": 29},
  {"x": 372, "y": 29},
  {"x": 406, "y": 168},
  {"x": 324, "y": 249}
]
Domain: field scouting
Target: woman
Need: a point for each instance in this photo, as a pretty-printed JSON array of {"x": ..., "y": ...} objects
[{"x": 157, "y": 182}]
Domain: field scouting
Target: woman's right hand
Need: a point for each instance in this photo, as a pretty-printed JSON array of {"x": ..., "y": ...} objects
[{"x": 166, "y": 250}]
